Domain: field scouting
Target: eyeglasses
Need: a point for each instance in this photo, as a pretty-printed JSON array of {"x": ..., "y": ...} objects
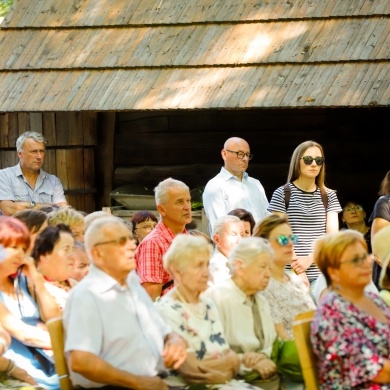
[
  {"x": 283, "y": 239},
  {"x": 121, "y": 241},
  {"x": 309, "y": 159},
  {"x": 359, "y": 261},
  {"x": 147, "y": 228},
  {"x": 356, "y": 208},
  {"x": 241, "y": 155}
]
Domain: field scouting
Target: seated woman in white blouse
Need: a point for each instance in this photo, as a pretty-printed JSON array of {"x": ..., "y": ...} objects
[
  {"x": 246, "y": 315},
  {"x": 209, "y": 357}
]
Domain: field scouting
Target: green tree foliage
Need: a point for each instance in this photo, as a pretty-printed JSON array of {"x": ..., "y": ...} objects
[{"x": 5, "y": 6}]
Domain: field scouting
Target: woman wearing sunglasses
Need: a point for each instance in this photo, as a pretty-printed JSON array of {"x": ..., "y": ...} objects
[
  {"x": 312, "y": 208},
  {"x": 287, "y": 294}
]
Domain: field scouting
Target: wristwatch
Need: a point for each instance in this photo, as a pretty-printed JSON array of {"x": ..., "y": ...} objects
[{"x": 32, "y": 204}]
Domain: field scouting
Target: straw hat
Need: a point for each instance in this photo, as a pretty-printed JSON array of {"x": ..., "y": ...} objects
[{"x": 381, "y": 249}]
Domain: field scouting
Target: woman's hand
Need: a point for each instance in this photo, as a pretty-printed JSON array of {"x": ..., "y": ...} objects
[
  {"x": 31, "y": 271},
  {"x": 251, "y": 359},
  {"x": 266, "y": 368},
  {"x": 302, "y": 263},
  {"x": 22, "y": 375},
  {"x": 233, "y": 361}
]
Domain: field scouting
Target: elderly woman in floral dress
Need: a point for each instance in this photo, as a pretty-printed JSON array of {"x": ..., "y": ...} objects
[{"x": 209, "y": 360}]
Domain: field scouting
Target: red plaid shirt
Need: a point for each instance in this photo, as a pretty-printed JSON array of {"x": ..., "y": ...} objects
[{"x": 149, "y": 256}]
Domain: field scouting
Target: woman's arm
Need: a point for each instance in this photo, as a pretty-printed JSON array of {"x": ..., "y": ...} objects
[
  {"x": 384, "y": 374},
  {"x": 26, "y": 334},
  {"x": 332, "y": 222},
  {"x": 281, "y": 332},
  {"x": 210, "y": 371},
  {"x": 48, "y": 307}
]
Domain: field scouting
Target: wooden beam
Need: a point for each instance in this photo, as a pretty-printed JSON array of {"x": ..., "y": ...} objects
[{"x": 105, "y": 157}]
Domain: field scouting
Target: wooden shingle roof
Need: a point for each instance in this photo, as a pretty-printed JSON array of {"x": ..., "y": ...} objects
[{"x": 119, "y": 55}]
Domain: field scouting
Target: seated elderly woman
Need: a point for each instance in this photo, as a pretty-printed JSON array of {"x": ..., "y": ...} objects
[
  {"x": 54, "y": 257},
  {"x": 142, "y": 223},
  {"x": 246, "y": 315},
  {"x": 351, "y": 328},
  {"x": 286, "y": 292},
  {"x": 25, "y": 306},
  {"x": 209, "y": 357},
  {"x": 71, "y": 217}
]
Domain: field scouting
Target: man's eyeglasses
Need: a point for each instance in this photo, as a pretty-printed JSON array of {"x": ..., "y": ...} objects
[
  {"x": 121, "y": 241},
  {"x": 283, "y": 239},
  {"x": 355, "y": 208},
  {"x": 309, "y": 159},
  {"x": 147, "y": 228},
  {"x": 241, "y": 155},
  {"x": 359, "y": 261}
]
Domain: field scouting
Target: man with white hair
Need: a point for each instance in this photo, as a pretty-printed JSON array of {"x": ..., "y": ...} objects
[
  {"x": 173, "y": 202},
  {"x": 228, "y": 232},
  {"x": 115, "y": 337},
  {"x": 26, "y": 185}
]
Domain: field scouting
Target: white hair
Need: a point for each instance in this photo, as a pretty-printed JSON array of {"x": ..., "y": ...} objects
[
  {"x": 222, "y": 222},
  {"x": 161, "y": 191},
  {"x": 37, "y": 137},
  {"x": 248, "y": 249}
]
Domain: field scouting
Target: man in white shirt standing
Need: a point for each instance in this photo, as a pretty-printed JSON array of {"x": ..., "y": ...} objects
[{"x": 233, "y": 188}]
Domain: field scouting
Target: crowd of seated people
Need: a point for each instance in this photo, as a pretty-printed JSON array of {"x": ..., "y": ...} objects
[{"x": 216, "y": 325}]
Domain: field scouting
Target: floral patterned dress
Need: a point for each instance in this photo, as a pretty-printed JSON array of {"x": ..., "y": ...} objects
[
  {"x": 201, "y": 327},
  {"x": 351, "y": 345},
  {"x": 287, "y": 300}
]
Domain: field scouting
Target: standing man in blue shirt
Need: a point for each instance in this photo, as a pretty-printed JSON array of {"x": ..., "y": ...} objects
[
  {"x": 233, "y": 188},
  {"x": 26, "y": 185}
]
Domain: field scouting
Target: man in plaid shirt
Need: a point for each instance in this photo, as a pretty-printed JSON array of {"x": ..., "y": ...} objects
[{"x": 173, "y": 202}]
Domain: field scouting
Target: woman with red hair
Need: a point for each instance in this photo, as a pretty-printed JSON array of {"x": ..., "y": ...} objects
[{"x": 25, "y": 306}]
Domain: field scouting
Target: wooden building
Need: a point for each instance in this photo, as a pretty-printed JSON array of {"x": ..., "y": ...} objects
[{"x": 131, "y": 92}]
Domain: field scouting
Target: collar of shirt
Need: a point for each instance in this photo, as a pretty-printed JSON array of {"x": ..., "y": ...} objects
[
  {"x": 239, "y": 292},
  {"x": 104, "y": 281},
  {"x": 228, "y": 176},
  {"x": 18, "y": 172}
]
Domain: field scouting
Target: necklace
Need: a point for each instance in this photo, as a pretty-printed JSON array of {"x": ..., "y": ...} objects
[{"x": 199, "y": 309}]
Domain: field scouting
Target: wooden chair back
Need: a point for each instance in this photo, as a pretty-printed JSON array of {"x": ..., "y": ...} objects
[
  {"x": 301, "y": 329},
  {"x": 56, "y": 332}
]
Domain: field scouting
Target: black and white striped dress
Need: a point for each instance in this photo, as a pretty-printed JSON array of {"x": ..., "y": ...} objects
[{"x": 307, "y": 217}]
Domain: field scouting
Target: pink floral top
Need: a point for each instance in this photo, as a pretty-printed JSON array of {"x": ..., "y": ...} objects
[{"x": 350, "y": 344}]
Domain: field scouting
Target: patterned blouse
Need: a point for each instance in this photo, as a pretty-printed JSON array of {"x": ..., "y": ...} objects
[
  {"x": 350, "y": 344},
  {"x": 198, "y": 324},
  {"x": 287, "y": 300}
]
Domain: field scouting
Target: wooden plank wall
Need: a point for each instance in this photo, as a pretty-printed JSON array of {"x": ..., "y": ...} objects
[
  {"x": 72, "y": 138},
  {"x": 186, "y": 145}
]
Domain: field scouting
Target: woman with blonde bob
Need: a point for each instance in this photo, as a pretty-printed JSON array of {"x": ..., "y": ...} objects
[
  {"x": 71, "y": 217},
  {"x": 351, "y": 329},
  {"x": 209, "y": 357},
  {"x": 246, "y": 315}
]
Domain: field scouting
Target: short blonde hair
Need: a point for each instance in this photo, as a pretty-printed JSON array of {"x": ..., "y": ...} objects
[
  {"x": 182, "y": 251},
  {"x": 67, "y": 215},
  {"x": 329, "y": 249},
  {"x": 248, "y": 250}
]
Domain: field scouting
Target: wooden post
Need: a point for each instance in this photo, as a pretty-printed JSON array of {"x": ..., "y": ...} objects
[{"x": 105, "y": 156}]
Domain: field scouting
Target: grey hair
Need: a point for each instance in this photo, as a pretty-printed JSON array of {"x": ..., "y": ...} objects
[
  {"x": 161, "y": 191},
  {"x": 95, "y": 233},
  {"x": 37, "y": 137},
  {"x": 248, "y": 249},
  {"x": 221, "y": 222},
  {"x": 182, "y": 250}
]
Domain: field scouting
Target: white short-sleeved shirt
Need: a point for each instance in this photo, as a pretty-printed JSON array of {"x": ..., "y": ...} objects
[
  {"x": 224, "y": 193},
  {"x": 117, "y": 323},
  {"x": 13, "y": 186}
]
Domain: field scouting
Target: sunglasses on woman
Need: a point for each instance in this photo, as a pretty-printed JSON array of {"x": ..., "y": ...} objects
[
  {"x": 309, "y": 159},
  {"x": 283, "y": 239}
]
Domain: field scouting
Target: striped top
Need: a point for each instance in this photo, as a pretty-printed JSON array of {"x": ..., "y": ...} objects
[{"x": 307, "y": 217}]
